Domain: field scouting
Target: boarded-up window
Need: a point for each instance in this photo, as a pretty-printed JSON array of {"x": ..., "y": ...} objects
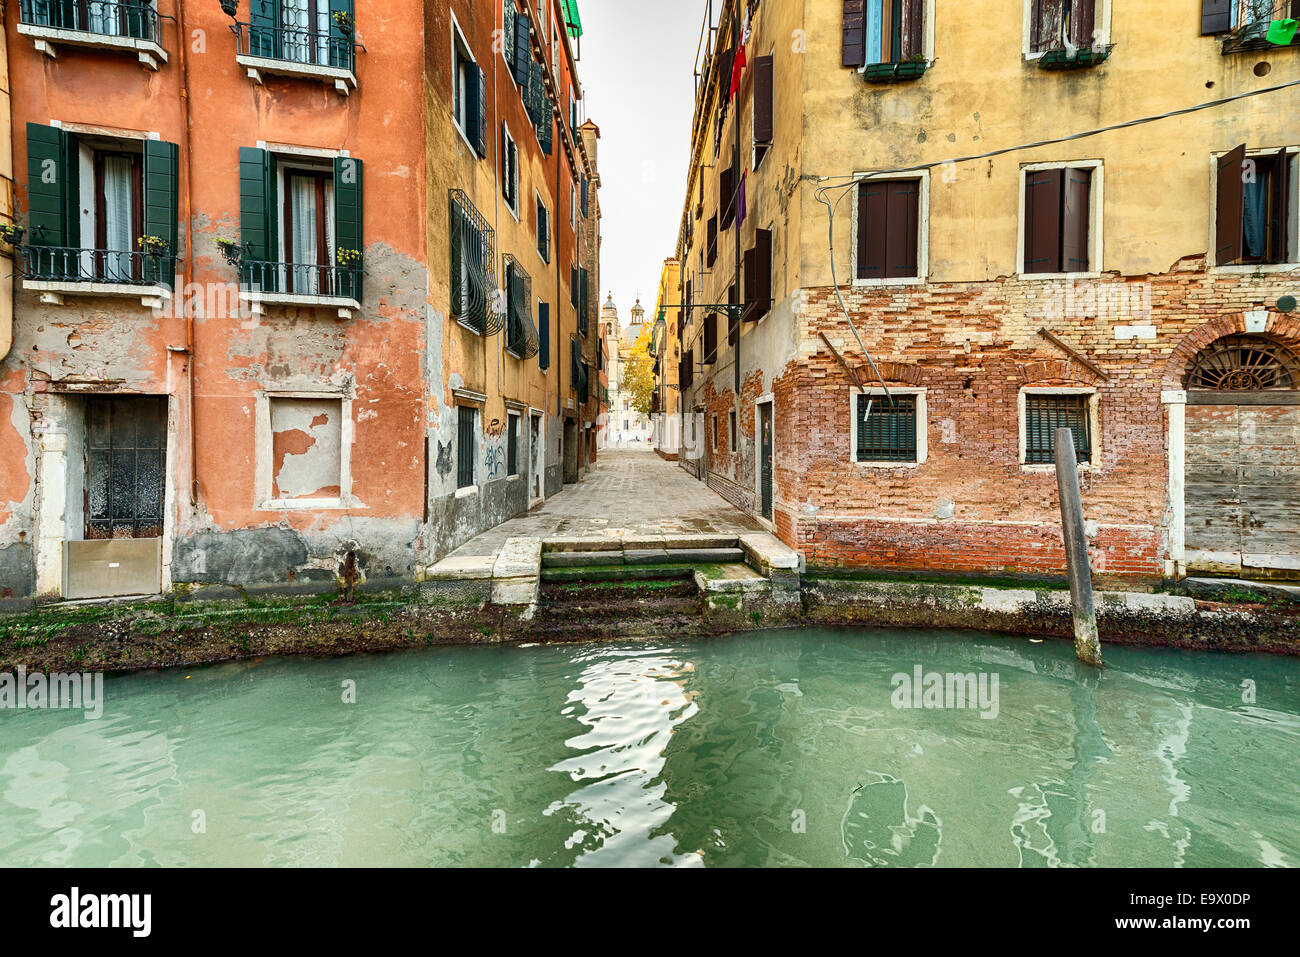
[
  {"x": 1044, "y": 414},
  {"x": 126, "y": 450},
  {"x": 1058, "y": 220},
  {"x": 306, "y": 448},
  {"x": 886, "y": 427},
  {"x": 888, "y": 228}
]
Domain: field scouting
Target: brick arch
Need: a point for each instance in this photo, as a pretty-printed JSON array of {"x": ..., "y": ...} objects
[
  {"x": 1280, "y": 327},
  {"x": 1055, "y": 370},
  {"x": 900, "y": 373}
]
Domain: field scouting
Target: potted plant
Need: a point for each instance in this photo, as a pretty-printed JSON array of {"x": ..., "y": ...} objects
[
  {"x": 155, "y": 247},
  {"x": 348, "y": 258},
  {"x": 11, "y": 233},
  {"x": 230, "y": 7},
  {"x": 343, "y": 20},
  {"x": 230, "y": 250}
]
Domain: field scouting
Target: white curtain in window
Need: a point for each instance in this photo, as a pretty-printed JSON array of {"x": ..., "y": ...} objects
[
  {"x": 306, "y": 38},
  {"x": 118, "y": 238},
  {"x": 303, "y": 251}
]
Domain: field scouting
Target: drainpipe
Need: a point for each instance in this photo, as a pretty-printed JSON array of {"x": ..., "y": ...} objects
[{"x": 188, "y": 262}]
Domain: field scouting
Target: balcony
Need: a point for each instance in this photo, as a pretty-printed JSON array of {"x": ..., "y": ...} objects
[
  {"x": 130, "y": 26},
  {"x": 298, "y": 284},
  {"x": 325, "y": 55},
  {"x": 59, "y": 271},
  {"x": 1261, "y": 25}
]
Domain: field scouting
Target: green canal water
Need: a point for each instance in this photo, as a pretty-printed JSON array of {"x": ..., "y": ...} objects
[{"x": 777, "y": 748}]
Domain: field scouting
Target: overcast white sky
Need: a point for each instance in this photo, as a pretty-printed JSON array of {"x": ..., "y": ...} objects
[{"x": 637, "y": 71}]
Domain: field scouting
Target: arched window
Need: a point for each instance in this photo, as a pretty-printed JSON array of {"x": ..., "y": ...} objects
[{"x": 1244, "y": 364}]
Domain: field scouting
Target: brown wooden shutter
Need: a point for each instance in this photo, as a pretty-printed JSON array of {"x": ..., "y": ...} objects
[
  {"x": 1043, "y": 188},
  {"x": 711, "y": 253},
  {"x": 763, "y": 271},
  {"x": 710, "y": 338},
  {"x": 726, "y": 197},
  {"x": 724, "y": 75},
  {"x": 913, "y": 28},
  {"x": 1045, "y": 21},
  {"x": 1281, "y": 203},
  {"x": 1075, "y": 220},
  {"x": 748, "y": 275},
  {"x": 1216, "y": 16},
  {"x": 854, "y": 49},
  {"x": 872, "y": 218},
  {"x": 1082, "y": 22},
  {"x": 902, "y": 208},
  {"x": 1229, "y": 207},
  {"x": 763, "y": 99}
]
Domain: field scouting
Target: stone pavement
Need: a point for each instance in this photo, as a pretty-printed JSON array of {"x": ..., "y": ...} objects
[{"x": 627, "y": 494}]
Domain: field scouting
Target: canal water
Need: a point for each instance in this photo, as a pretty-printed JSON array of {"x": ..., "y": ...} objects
[{"x": 777, "y": 748}]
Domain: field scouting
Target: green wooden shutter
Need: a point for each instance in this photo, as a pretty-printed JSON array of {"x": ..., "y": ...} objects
[
  {"x": 258, "y": 220},
  {"x": 544, "y": 335},
  {"x": 546, "y": 129},
  {"x": 347, "y": 219},
  {"x": 341, "y": 45},
  {"x": 160, "y": 187},
  {"x": 584, "y": 196},
  {"x": 523, "y": 52},
  {"x": 264, "y": 28},
  {"x": 476, "y": 107},
  {"x": 53, "y": 194}
]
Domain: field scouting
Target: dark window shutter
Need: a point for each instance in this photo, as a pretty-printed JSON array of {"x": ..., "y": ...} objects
[
  {"x": 476, "y": 107},
  {"x": 748, "y": 275},
  {"x": 763, "y": 99},
  {"x": 763, "y": 271},
  {"x": 711, "y": 250},
  {"x": 160, "y": 187},
  {"x": 854, "y": 46},
  {"x": 872, "y": 229},
  {"x": 902, "y": 201},
  {"x": 347, "y": 220},
  {"x": 264, "y": 28},
  {"x": 710, "y": 338},
  {"x": 1229, "y": 199},
  {"x": 724, "y": 75},
  {"x": 914, "y": 28},
  {"x": 258, "y": 223},
  {"x": 1216, "y": 16},
  {"x": 523, "y": 52},
  {"x": 585, "y": 195},
  {"x": 544, "y": 335},
  {"x": 1075, "y": 220},
  {"x": 726, "y": 196},
  {"x": 733, "y": 320},
  {"x": 53, "y": 188},
  {"x": 573, "y": 286},
  {"x": 1046, "y": 17},
  {"x": 575, "y": 363},
  {"x": 1043, "y": 188},
  {"x": 1082, "y": 22},
  {"x": 1281, "y": 202},
  {"x": 340, "y": 44}
]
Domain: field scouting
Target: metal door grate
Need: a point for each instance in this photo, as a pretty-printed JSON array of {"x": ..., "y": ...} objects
[{"x": 126, "y": 449}]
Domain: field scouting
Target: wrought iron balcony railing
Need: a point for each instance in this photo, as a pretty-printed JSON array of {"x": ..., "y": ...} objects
[
  {"x": 300, "y": 279},
  {"x": 74, "y": 264},
  {"x": 295, "y": 45},
  {"x": 136, "y": 19}
]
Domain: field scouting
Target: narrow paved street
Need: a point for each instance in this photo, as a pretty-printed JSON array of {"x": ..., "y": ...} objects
[{"x": 633, "y": 493}]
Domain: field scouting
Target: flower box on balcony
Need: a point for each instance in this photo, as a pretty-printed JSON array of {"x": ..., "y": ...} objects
[
  {"x": 894, "y": 72},
  {"x": 1083, "y": 58}
]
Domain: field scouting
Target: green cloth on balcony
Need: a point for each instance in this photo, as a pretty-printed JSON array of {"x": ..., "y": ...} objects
[
  {"x": 571, "y": 18},
  {"x": 1281, "y": 31}
]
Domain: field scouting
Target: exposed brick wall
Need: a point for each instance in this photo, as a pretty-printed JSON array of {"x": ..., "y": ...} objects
[{"x": 972, "y": 506}]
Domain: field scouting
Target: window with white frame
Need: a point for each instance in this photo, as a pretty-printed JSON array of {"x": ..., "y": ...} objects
[
  {"x": 1065, "y": 25},
  {"x": 888, "y": 429},
  {"x": 543, "y": 230},
  {"x": 1044, "y": 410},
  {"x": 1256, "y": 197},
  {"x": 897, "y": 30},
  {"x": 889, "y": 228},
  {"x": 467, "y": 90},
  {"x": 509, "y": 170},
  {"x": 1060, "y": 216}
]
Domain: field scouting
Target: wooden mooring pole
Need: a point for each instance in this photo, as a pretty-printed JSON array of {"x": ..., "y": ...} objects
[{"x": 1086, "y": 643}]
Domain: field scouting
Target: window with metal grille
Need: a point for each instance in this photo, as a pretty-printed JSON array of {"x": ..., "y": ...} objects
[
  {"x": 466, "y": 418},
  {"x": 473, "y": 267},
  {"x": 512, "y": 444},
  {"x": 1044, "y": 414},
  {"x": 886, "y": 429}
]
